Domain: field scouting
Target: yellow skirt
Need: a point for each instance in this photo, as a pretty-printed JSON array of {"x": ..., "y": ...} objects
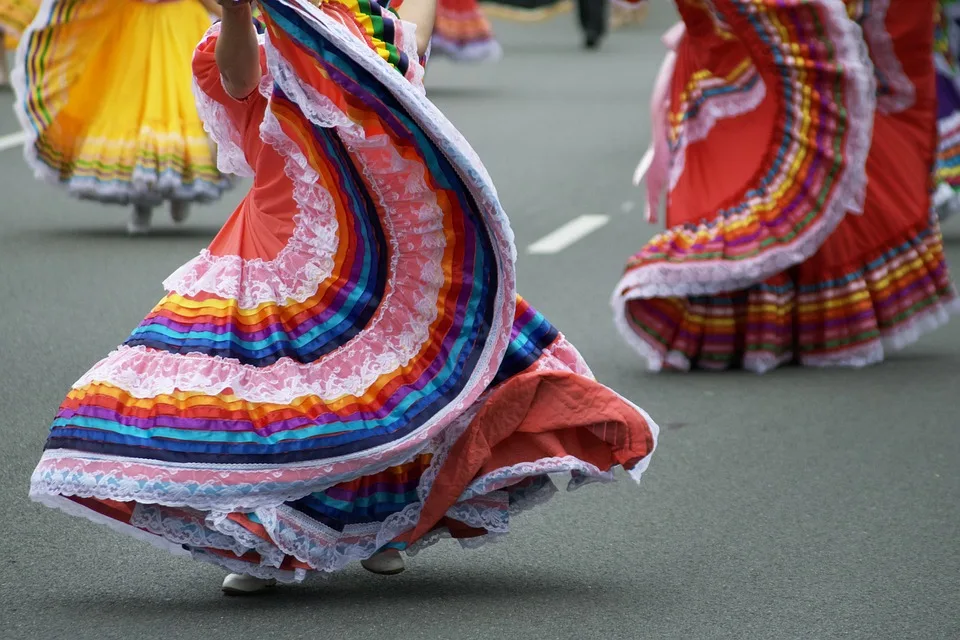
[
  {"x": 104, "y": 91},
  {"x": 15, "y": 15}
]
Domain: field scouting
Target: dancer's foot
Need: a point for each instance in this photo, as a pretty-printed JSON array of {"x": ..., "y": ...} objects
[
  {"x": 386, "y": 563},
  {"x": 139, "y": 222},
  {"x": 238, "y": 584},
  {"x": 179, "y": 210},
  {"x": 592, "y": 41}
]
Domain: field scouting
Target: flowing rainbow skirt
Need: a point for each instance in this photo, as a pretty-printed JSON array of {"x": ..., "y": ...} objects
[
  {"x": 374, "y": 381},
  {"x": 786, "y": 240},
  {"x": 463, "y": 33},
  {"x": 129, "y": 132}
]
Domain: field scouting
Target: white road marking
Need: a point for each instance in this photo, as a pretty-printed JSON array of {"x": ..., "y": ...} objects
[
  {"x": 643, "y": 167},
  {"x": 628, "y": 206},
  {"x": 568, "y": 234},
  {"x": 12, "y": 140}
]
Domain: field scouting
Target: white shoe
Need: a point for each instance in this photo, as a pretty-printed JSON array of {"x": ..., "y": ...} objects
[
  {"x": 179, "y": 210},
  {"x": 386, "y": 563},
  {"x": 139, "y": 222},
  {"x": 238, "y": 584}
]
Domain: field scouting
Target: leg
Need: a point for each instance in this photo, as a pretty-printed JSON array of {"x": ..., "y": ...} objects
[
  {"x": 4, "y": 73},
  {"x": 139, "y": 222},
  {"x": 179, "y": 210},
  {"x": 593, "y": 20}
]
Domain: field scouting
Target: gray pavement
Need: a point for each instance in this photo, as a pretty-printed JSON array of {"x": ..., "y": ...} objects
[{"x": 801, "y": 504}]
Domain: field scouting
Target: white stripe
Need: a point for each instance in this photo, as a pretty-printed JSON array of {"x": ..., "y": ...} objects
[
  {"x": 645, "y": 162},
  {"x": 575, "y": 230},
  {"x": 12, "y": 140}
]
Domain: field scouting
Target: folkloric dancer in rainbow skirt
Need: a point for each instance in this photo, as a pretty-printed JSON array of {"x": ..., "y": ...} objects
[
  {"x": 777, "y": 127},
  {"x": 127, "y": 132},
  {"x": 947, "y": 57},
  {"x": 347, "y": 371},
  {"x": 463, "y": 33}
]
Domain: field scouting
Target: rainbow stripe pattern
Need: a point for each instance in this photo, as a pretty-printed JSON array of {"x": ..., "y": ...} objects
[
  {"x": 843, "y": 320},
  {"x": 721, "y": 293}
]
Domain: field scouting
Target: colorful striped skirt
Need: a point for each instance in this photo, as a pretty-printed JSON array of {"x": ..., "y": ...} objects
[
  {"x": 128, "y": 132},
  {"x": 778, "y": 127},
  {"x": 347, "y": 367}
]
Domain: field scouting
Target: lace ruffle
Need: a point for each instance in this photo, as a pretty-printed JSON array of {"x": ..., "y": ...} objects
[{"x": 896, "y": 91}]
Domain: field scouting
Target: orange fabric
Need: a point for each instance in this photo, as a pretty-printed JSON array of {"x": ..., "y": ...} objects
[
  {"x": 264, "y": 221},
  {"x": 534, "y": 416}
]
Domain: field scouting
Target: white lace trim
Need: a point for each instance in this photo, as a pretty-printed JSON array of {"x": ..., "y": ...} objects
[
  {"x": 480, "y": 51},
  {"x": 218, "y": 125},
  {"x": 682, "y": 279},
  {"x": 237, "y": 565},
  {"x": 483, "y": 505},
  {"x": 903, "y": 94},
  {"x": 408, "y": 44},
  {"x": 72, "y": 508},
  {"x": 946, "y": 201}
]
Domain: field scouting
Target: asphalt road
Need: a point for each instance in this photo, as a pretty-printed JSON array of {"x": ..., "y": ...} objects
[{"x": 800, "y": 504}]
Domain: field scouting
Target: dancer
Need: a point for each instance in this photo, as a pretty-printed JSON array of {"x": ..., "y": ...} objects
[
  {"x": 346, "y": 372},
  {"x": 128, "y": 133},
  {"x": 463, "y": 34},
  {"x": 15, "y": 15},
  {"x": 779, "y": 129},
  {"x": 947, "y": 197},
  {"x": 592, "y": 14}
]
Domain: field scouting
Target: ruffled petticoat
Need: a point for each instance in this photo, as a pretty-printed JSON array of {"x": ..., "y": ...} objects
[
  {"x": 786, "y": 240},
  {"x": 348, "y": 366},
  {"x": 129, "y": 133}
]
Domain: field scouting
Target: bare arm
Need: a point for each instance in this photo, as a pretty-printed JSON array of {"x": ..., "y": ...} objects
[
  {"x": 421, "y": 13},
  {"x": 237, "y": 52},
  {"x": 212, "y": 8}
]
